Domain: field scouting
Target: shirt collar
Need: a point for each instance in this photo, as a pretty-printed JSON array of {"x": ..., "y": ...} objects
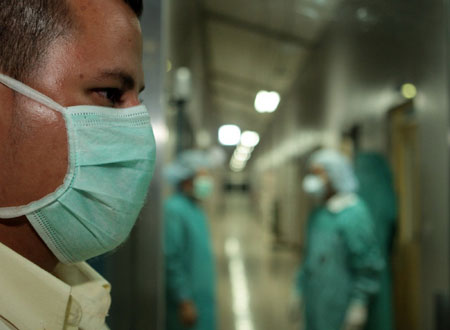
[
  {"x": 341, "y": 201},
  {"x": 33, "y": 298}
]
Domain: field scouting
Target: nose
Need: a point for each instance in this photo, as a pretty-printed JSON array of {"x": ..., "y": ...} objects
[{"x": 131, "y": 99}]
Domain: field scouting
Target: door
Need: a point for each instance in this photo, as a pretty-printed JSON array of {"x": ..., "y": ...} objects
[{"x": 406, "y": 258}]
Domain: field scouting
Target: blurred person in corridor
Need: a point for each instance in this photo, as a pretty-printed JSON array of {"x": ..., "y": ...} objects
[
  {"x": 342, "y": 262},
  {"x": 189, "y": 263}
]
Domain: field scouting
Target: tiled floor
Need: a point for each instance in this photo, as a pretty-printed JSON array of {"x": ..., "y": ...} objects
[{"x": 254, "y": 278}]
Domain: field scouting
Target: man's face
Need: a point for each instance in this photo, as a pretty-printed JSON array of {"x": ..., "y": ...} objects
[
  {"x": 99, "y": 63},
  {"x": 320, "y": 171}
]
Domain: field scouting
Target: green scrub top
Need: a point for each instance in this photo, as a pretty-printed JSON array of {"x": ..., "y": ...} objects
[
  {"x": 342, "y": 264},
  {"x": 189, "y": 263}
]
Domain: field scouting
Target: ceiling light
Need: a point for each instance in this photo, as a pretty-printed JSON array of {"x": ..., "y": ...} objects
[
  {"x": 266, "y": 101},
  {"x": 237, "y": 166},
  {"x": 243, "y": 149},
  {"x": 237, "y": 162},
  {"x": 229, "y": 135},
  {"x": 243, "y": 157},
  {"x": 409, "y": 91},
  {"x": 236, "y": 169},
  {"x": 249, "y": 139}
]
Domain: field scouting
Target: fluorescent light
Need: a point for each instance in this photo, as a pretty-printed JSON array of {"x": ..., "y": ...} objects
[
  {"x": 409, "y": 91},
  {"x": 267, "y": 101},
  {"x": 237, "y": 165},
  {"x": 237, "y": 162},
  {"x": 236, "y": 168},
  {"x": 229, "y": 135},
  {"x": 244, "y": 150},
  {"x": 249, "y": 139},
  {"x": 240, "y": 156}
]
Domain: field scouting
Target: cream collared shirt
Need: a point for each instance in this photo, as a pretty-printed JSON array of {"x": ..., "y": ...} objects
[{"x": 74, "y": 297}]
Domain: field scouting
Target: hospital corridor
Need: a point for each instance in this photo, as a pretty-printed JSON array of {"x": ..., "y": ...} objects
[
  {"x": 255, "y": 275},
  {"x": 224, "y": 165},
  {"x": 302, "y": 170}
]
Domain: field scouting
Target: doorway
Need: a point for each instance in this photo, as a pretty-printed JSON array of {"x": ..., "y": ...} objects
[{"x": 404, "y": 154}]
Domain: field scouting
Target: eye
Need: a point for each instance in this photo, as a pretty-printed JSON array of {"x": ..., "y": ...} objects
[{"x": 112, "y": 95}]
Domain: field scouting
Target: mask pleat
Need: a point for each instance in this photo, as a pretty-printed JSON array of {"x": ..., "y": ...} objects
[
  {"x": 120, "y": 183},
  {"x": 113, "y": 146}
]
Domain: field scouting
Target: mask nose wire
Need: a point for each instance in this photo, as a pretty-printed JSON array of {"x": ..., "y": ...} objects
[{"x": 33, "y": 94}]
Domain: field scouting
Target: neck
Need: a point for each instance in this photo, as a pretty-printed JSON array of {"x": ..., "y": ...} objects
[{"x": 19, "y": 235}]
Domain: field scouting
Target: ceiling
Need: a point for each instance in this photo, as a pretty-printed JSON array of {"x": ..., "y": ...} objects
[{"x": 257, "y": 45}]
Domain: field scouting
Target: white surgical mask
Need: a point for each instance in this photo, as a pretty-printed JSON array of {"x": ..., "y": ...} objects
[
  {"x": 111, "y": 161},
  {"x": 203, "y": 187},
  {"x": 314, "y": 186}
]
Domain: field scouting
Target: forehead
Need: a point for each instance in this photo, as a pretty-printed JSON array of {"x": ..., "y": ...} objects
[
  {"x": 108, "y": 32},
  {"x": 97, "y": 15},
  {"x": 317, "y": 169}
]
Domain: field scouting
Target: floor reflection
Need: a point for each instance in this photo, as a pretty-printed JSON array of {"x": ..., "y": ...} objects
[{"x": 254, "y": 277}]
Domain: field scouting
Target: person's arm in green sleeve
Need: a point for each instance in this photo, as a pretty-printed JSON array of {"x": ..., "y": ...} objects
[
  {"x": 296, "y": 304},
  {"x": 365, "y": 263},
  {"x": 176, "y": 280},
  {"x": 300, "y": 276}
]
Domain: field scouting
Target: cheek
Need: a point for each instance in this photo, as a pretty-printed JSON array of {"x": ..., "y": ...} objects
[{"x": 37, "y": 160}]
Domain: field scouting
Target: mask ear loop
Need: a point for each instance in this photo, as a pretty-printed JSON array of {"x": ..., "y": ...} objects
[{"x": 30, "y": 92}]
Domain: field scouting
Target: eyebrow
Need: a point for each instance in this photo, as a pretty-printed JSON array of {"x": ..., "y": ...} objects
[{"x": 126, "y": 80}]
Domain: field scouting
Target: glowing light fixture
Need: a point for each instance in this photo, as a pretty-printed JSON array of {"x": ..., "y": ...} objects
[
  {"x": 237, "y": 167},
  {"x": 267, "y": 101},
  {"x": 243, "y": 150},
  {"x": 241, "y": 156},
  {"x": 249, "y": 139},
  {"x": 409, "y": 91},
  {"x": 236, "y": 164},
  {"x": 229, "y": 135}
]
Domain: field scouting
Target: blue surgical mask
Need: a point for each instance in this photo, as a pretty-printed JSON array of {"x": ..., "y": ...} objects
[
  {"x": 203, "y": 187},
  {"x": 111, "y": 162},
  {"x": 314, "y": 186}
]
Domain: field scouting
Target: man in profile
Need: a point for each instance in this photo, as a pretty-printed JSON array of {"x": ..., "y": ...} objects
[{"x": 77, "y": 53}]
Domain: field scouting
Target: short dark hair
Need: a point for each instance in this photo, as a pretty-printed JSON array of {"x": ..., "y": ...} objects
[
  {"x": 28, "y": 27},
  {"x": 136, "y": 5}
]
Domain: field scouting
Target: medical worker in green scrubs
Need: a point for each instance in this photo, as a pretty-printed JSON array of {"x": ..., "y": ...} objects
[
  {"x": 342, "y": 261},
  {"x": 189, "y": 263}
]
